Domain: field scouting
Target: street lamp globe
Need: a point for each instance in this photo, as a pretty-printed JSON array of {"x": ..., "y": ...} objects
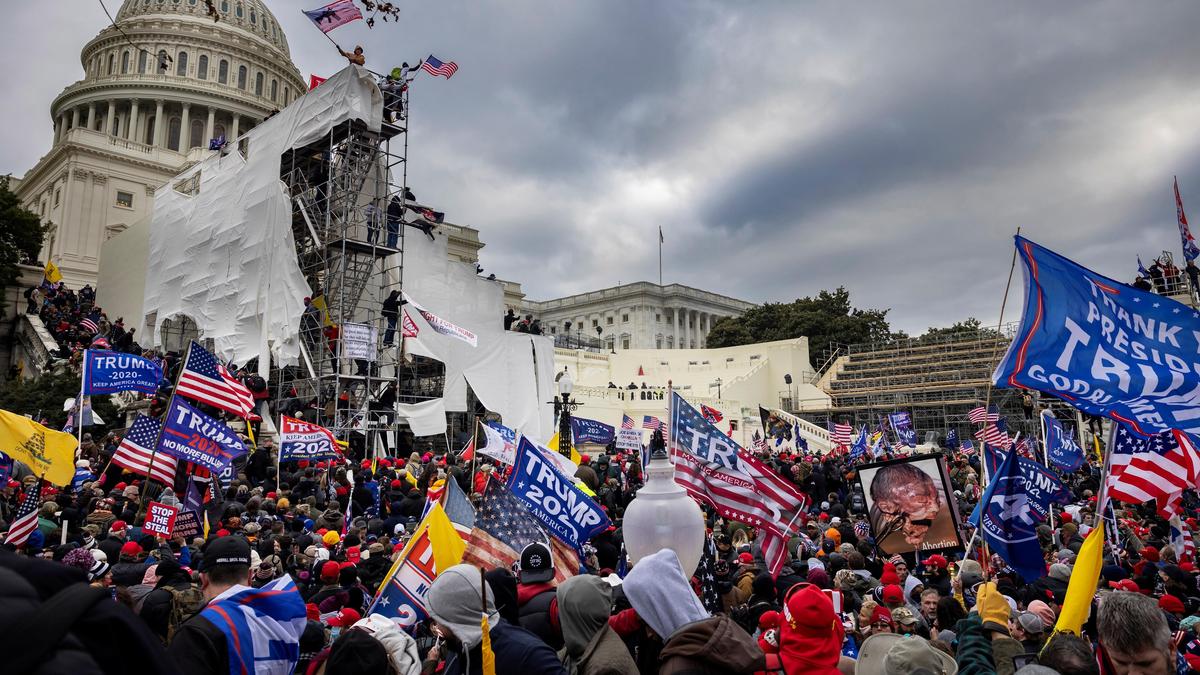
[
  {"x": 662, "y": 515},
  {"x": 565, "y": 385}
]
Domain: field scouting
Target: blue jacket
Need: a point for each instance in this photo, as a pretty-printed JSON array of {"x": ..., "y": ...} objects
[{"x": 518, "y": 652}]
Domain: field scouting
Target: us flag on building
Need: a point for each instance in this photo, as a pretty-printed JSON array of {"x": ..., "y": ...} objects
[
  {"x": 1157, "y": 468},
  {"x": 435, "y": 67},
  {"x": 136, "y": 450},
  {"x": 205, "y": 380},
  {"x": 26, "y": 519},
  {"x": 651, "y": 422},
  {"x": 626, "y": 422},
  {"x": 503, "y": 528},
  {"x": 981, "y": 414}
]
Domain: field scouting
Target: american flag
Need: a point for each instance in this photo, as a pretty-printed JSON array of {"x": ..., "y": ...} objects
[
  {"x": 711, "y": 414},
  {"x": 89, "y": 325},
  {"x": 1025, "y": 448},
  {"x": 26, "y": 519},
  {"x": 435, "y": 67},
  {"x": 651, "y": 422},
  {"x": 995, "y": 433},
  {"x": 709, "y": 595},
  {"x": 503, "y": 527},
  {"x": 839, "y": 434},
  {"x": 981, "y": 414},
  {"x": 135, "y": 452},
  {"x": 626, "y": 422},
  {"x": 1160, "y": 468},
  {"x": 760, "y": 443},
  {"x": 1181, "y": 540},
  {"x": 333, "y": 15},
  {"x": 968, "y": 447},
  {"x": 205, "y": 380}
]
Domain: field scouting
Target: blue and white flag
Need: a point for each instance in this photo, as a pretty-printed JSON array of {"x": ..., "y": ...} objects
[
  {"x": 553, "y": 499},
  {"x": 1142, "y": 270},
  {"x": 591, "y": 431},
  {"x": 192, "y": 436},
  {"x": 860, "y": 444},
  {"x": 87, "y": 415},
  {"x": 801, "y": 443},
  {"x": 1009, "y": 523},
  {"x": 106, "y": 372},
  {"x": 262, "y": 626},
  {"x": 1040, "y": 483},
  {"x": 902, "y": 424},
  {"x": 952, "y": 439},
  {"x": 1104, "y": 347},
  {"x": 1061, "y": 449}
]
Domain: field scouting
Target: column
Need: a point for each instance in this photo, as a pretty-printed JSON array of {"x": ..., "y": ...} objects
[
  {"x": 57, "y": 129},
  {"x": 233, "y": 133},
  {"x": 74, "y": 117},
  {"x": 92, "y": 116},
  {"x": 131, "y": 131},
  {"x": 159, "y": 123},
  {"x": 208, "y": 129},
  {"x": 185, "y": 129},
  {"x": 705, "y": 317},
  {"x": 108, "y": 119},
  {"x": 676, "y": 335}
]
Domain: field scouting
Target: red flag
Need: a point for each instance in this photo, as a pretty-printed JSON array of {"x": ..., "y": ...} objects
[
  {"x": 314, "y": 81},
  {"x": 641, "y": 373},
  {"x": 711, "y": 414}
]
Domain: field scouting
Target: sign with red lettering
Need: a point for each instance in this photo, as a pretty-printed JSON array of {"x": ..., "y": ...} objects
[{"x": 160, "y": 518}]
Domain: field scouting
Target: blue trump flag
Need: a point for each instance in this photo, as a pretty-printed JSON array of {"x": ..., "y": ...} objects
[
  {"x": 1104, "y": 347},
  {"x": 591, "y": 431},
  {"x": 860, "y": 444},
  {"x": 1061, "y": 449},
  {"x": 952, "y": 439},
  {"x": 902, "y": 425},
  {"x": 108, "y": 372},
  {"x": 1008, "y": 522},
  {"x": 552, "y": 498},
  {"x": 1040, "y": 483},
  {"x": 192, "y": 436}
]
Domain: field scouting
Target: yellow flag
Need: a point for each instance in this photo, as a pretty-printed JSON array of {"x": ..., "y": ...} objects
[
  {"x": 1096, "y": 445},
  {"x": 553, "y": 445},
  {"x": 1082, "y": 587},
  {"x": 448, "y": 547},
  {"x": 487, "y": 657},
  {"x": 319, "y": 303},
  {"x": 53, "y": 275},
  {"x": 47, "y": 452}
]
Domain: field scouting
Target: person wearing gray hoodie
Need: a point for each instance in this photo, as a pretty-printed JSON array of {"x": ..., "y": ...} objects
[
  {"x": 457, "y": 601},
  {"x": 590, "y": 646},
  {"x": 693, "y": 642}
]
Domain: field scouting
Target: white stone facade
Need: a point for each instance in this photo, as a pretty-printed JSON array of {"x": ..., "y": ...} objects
[
  {"x": 146, "y": 108},
  {"x": 640, "y": 315}
]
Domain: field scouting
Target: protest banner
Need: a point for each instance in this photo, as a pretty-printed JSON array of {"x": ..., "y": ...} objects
[
  {"x": 303, "y": 440},
  {"x": 106, "y": 372},
  {"x": 629, "y": 439},
  {"x": 909, "y": 505},
  {"x": 358, "y": 341},
  {"x": 187, "y": 524},
  {"x": 553, "y": 499},
  {"x": 590, "y": 431},
  {"x": 160, "y": 518},
  {"x": 192, "y": 436},
  {"x": 443, "y": 326}
]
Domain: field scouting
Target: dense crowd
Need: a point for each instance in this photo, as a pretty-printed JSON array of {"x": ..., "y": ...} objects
[{"x": 838, "y": 605}]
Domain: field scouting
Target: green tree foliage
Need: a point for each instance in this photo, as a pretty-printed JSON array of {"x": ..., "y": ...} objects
[
  {"x": 968, "y": 327},
  {"x": 824, "y": 318},
  {"x": 46, "y": 394},
  {"x": 21, "y": 234}
]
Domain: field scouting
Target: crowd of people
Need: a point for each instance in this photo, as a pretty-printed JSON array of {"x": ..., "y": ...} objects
[
  {"x": 334, "y": 529},
  {"x": 1164, "y": 278}
]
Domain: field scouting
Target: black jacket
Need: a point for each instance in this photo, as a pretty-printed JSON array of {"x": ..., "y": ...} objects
[
  {"x": 535, "y": 617},
  {"x": 518, "y": 652},
  {"x": 157, "y": 605},
  {"x": 199, "y": 648}
]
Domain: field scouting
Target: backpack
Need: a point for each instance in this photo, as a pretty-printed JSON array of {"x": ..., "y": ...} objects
[{"x": 184, "y": 605}]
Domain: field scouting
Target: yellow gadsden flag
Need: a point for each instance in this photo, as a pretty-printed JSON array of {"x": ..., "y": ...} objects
[
  {"x": 47, "y": 452},
  {"x": 52, "y": 274},
  {"x": 1082, "y": 587},
  {"x": 553, "y": 446}
]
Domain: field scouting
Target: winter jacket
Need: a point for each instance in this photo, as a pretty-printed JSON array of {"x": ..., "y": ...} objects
[
  {"x": 537, "y": 610},
  {"x": 518, "y": 652},
  {"x": 715, "y": 646},
  {"x": 606, "y": 655},
  {"x": 979, "y": 654},
  {"x": 128, "y": 573},
  {"x": 156, "y": 608}
]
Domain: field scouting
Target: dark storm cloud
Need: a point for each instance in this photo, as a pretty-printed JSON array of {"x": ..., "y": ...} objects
[{"x": 783, "y": 147}]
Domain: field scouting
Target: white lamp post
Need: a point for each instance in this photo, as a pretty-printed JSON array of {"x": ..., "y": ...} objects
[{"x": 662, "y": 515}]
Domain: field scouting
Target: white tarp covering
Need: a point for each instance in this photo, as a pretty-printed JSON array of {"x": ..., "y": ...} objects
[
  {"x": 427, "y": 418},
  {"x": 225, "y": 256}
]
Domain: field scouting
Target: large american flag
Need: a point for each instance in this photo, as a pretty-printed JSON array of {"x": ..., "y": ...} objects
[
  {"x": 995, "y": 433},
  {"x": 136, "y": 451},
  {"x": 26, "y": 519},
  {"x": 739, "y": 487},
  {"x": 839, "y": 434},
  {"x": 89, "y": 325},
  {"x": 435, "y": 67},
  {"x": 205, "y": 380},
  {"x": 651, "y": 422},
  {"x": 1160, "y": 467},
  {"x": 981, "y": 414},
  {"x": 503, "y": 527},
  {"x": 626, "y": 422}
]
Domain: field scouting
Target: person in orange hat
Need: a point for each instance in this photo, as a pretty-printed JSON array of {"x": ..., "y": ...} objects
[{"x": 810, "y": 632}]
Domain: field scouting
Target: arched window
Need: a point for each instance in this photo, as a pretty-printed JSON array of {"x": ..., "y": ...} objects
[
  {"x": 242, "y": 77},
  {"x": 196, "y": 137},
  {"x": 125, "y": 63},
  {"x": 239, "y": 10},
  {"x": 274, "y": 90},
  {"x": 173, "y": 130},
  {"x": 223, "y": 72},
  {"x": 225, "y": 6},
  {"x": 181, "y": 64},
  {"x": 112, "y": 63},
  {"x": 151, "y": 120},
  {"x": 116, "y": 125},
  {"x": 258, "y": 84},
  {"x": 253, "y": 17},
  {"x": 143, "y": 61},
  {"x": 162, "y": 62},
  {"x": 287, "y": 95},
  {"x": 202, "y": 67},
  {"x": 192, "y": 2},
  {"x": 218, "y": 130}
]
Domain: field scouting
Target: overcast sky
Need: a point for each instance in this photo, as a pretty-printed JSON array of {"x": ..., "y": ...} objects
[{"x": 783, "y": 147}]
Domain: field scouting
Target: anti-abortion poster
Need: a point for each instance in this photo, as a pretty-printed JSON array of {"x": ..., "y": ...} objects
[{"x": 910, "y": 505}]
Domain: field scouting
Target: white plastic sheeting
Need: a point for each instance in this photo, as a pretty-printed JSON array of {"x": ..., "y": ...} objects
[
  {"x": 427, "y": 418},
  {"x": 225, "y": 256}
]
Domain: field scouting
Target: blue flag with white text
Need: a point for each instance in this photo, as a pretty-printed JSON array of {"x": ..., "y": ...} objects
[
  {"x": 901, "y": 423},
  {"x": 859, "y": 448},
  {"x": 1061, "y": 449},
  {"x": 952, "y": 439},
  {"x": 1009, "y": 523},
  {"x": 552, "y": 498},
  {"x": 192, "y": 436},
  {"x": 106, "y": 372},
  {"x": 591, "y": 431},
  {"x": 1040, "y": 483},
  {"x": 1104, "y": 347}
]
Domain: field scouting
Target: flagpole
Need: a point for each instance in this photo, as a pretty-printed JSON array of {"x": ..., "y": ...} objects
[
  {"x": 79, "y": 408},
  {"x": 163, "y": 425},
  {"x": 660, "y": 243},
  {"x": 279, "y": 454},
  {"x": 1046, "y": 457},
  {"x": 474, "y": 448}
]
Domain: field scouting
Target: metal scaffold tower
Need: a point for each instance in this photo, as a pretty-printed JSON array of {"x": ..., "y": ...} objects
[{"x": 350, "y": 198}]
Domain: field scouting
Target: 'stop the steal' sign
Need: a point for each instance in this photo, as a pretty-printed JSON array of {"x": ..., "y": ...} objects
[
  {"x": 160, "y": 519},
  {"x": 1107, "y": 348},
  {"x": 553, "y": 499}
]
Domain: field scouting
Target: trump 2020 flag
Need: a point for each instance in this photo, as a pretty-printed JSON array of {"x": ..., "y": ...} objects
[
  {"x": 1040, "y": 484},
  {"x": 1009, "y": 523},
  {"x": 902, "y": 424},
  {"x": 591, "y": 431},
  {"x": 302, "y": 440},
  {"x": 1061, "y": 448},
  {"x": 551, "y": 497},
  {"x": 192, "y": 436},
  {"x": 1104, "y": 347},
  {"x": 106, "y": 372}
]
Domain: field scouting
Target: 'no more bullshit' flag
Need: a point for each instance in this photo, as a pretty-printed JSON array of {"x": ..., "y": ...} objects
[
  {"x": 192, "y": 436},
  {"x": 1104, "y": 347}
]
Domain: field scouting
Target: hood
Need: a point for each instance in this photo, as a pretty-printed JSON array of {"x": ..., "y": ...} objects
[
  {"x": 717, "y": 641},
  {"x": 454, "y": 601},
  {"x": 661, "y": 595},
  {"x": 400, "y": 646},
  {"x": 584, "y": 603}
]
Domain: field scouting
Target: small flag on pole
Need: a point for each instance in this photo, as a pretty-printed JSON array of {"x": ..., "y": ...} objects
[
  {"x": 435, "y": 67},
  {"x": 26, "y": 519},
  {"x": 333, "y": 15}
]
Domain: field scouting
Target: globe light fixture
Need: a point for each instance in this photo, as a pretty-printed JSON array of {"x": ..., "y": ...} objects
[{"x": 662, "y": 515}]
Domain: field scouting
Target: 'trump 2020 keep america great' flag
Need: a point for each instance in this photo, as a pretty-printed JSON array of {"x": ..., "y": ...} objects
[{"x": 1104, "y": 347}]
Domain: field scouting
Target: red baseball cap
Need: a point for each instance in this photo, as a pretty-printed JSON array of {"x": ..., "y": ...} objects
[
  {"x": 893, "y": 594},
  {"x": 345, "y": 618},
  {"x": 118, "y": 525},
  {"x": 330, "y": 571},
  {"x": 745, "y": 558},
  {"x": 936, "y": 560},
  {"x": 1125, "y": 585}
]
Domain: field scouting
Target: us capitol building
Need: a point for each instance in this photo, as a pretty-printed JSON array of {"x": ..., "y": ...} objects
[{"x": 148, "y": 104}]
